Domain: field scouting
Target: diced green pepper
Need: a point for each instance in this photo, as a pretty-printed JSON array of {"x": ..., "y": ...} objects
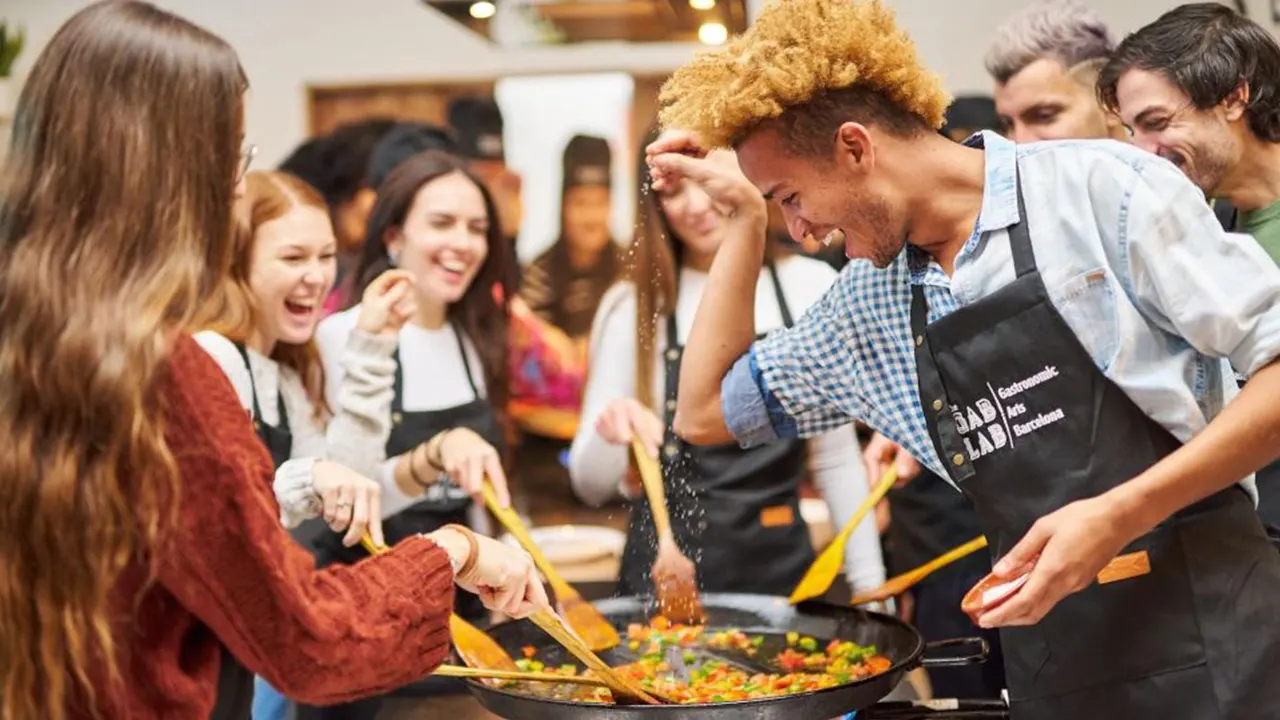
[
  {"x": 792, "y": 639},
  {"x": 689, "y": 658},
  {"x": 808, "y": 644},
  {"x": 757, "y": 641}
]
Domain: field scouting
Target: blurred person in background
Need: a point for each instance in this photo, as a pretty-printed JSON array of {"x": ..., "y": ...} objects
[
  {"x": 1045, "y": 61},
  {"x": 565, "y": 283},
  {"x": 336, "y": 165},
  {"x": 563, "y": 288},
  {"x": 142, "y": 546},
  {"x": 734, "y": 512},
  {"x": 1200, "y": 87}
]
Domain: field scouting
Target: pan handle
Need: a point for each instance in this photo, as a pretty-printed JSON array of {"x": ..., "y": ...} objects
[
  {"x": 936, "y": 710},
  {"x": 975, "y": 658}
]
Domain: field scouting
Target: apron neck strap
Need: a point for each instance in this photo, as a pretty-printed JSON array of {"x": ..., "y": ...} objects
[
  {"x": 253, "y": 388},
  {"x": 397, "y": 386},
  {"x": 1024, "y": 263},
  {"x": 1024, "y": 258}
]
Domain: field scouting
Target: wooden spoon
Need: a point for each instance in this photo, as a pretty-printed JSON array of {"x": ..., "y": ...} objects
[
  {"x": 583, "y": 617},
  {"x": 486, "y": 674},
  {"x": 474, "y": 646},
  {"x": 824, "y": 570},
  {"x": 909, "y": 579},
  {"x": 674, "y": 575},
  {"x": 624, "y": 689}
]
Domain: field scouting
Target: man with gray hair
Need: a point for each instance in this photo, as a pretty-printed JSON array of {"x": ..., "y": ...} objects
[{"x": 1045, "y": 61}]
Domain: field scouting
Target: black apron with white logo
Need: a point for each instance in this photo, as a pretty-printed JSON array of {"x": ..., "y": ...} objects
[
  {"x": 735, "y": 513},
  {"x": 1026, "y": 424},
  {"x": 235, "y": 682},
  {"x": 444, "y": 502}
]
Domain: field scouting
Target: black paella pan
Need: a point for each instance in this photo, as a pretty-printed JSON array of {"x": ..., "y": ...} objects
[{"x": 771, "y": 617}]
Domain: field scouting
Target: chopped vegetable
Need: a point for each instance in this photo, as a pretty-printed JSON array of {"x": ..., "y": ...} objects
[
  {"x": 529, "y": 651},
  {"x": 804, "y": 666}
]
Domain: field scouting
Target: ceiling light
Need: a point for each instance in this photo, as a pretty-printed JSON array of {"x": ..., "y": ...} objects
[
  {"x": 712, "y": 33},
  {"x": 702, "y": 4},
  {"x": 483, "y": 10}
]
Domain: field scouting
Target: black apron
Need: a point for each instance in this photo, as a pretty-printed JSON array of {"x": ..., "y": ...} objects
[
  {"x": 744, "y": 502},
  {"x": 444, "y": 502},
  {"x": 1026, "y": 423},
  {"x": 235, "y": 682}
]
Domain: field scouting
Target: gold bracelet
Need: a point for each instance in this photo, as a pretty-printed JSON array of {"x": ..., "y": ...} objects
[
  {"x": 413, "y": 470},
  {"x": 473, "y": 557}
]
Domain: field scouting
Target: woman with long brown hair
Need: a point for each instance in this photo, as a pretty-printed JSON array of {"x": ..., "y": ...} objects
[
  {"x": 140, "y": 536},
  {"x": 734, "y": 512}
]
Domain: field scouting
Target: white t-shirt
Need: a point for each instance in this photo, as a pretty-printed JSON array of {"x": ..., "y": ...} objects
[{"x": 435, "y": 378}]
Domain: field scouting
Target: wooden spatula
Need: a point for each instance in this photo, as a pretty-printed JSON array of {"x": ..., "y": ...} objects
[
  {"x": 624, "y": 689},
  {"x": 585, "y": 620},
  {"x": 674, "y": 575},
  {"x": 485, "y": 674},
  {"x": 474, "y": 646},
  {"x": 824, "y": 570},
  {"x": 907, "y": 580}
]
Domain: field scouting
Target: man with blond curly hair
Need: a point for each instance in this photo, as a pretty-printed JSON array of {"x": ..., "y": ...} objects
[{"x": 1048, "y": 325}]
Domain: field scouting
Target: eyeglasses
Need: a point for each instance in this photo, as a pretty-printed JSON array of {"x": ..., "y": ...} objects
[{"x": 246, "y": 159}]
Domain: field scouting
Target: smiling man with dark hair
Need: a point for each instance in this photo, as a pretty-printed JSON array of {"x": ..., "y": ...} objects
[{"x": 1200, "y": 87}]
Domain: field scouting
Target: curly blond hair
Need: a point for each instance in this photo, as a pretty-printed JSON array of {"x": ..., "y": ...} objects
[{"x": 798, "y": 53}]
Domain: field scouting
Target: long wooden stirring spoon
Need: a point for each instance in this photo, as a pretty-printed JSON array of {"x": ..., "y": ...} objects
[
  {"x": 674, "y": 575},
  {"x": 583, "y": 617}
]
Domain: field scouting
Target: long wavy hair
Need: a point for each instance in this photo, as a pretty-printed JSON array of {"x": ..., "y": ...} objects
[
  {"x": 233, "y": 310},
  {"x": 482, "y": 314},
  {"x": 115, "y": 217},
  {"x": 656, "y": 256}
]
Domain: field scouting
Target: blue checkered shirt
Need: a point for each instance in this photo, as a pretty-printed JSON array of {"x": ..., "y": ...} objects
[{"x": 1133, "y": 257}]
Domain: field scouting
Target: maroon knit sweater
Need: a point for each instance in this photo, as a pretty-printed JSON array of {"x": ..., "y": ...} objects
[{"x": 231, "y": 575}]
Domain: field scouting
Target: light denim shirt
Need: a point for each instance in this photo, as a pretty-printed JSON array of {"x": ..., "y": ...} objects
[{"x": 1135, "y": 261}]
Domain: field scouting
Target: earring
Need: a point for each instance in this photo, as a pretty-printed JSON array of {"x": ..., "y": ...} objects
[{"x": 394, "y": 257}]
